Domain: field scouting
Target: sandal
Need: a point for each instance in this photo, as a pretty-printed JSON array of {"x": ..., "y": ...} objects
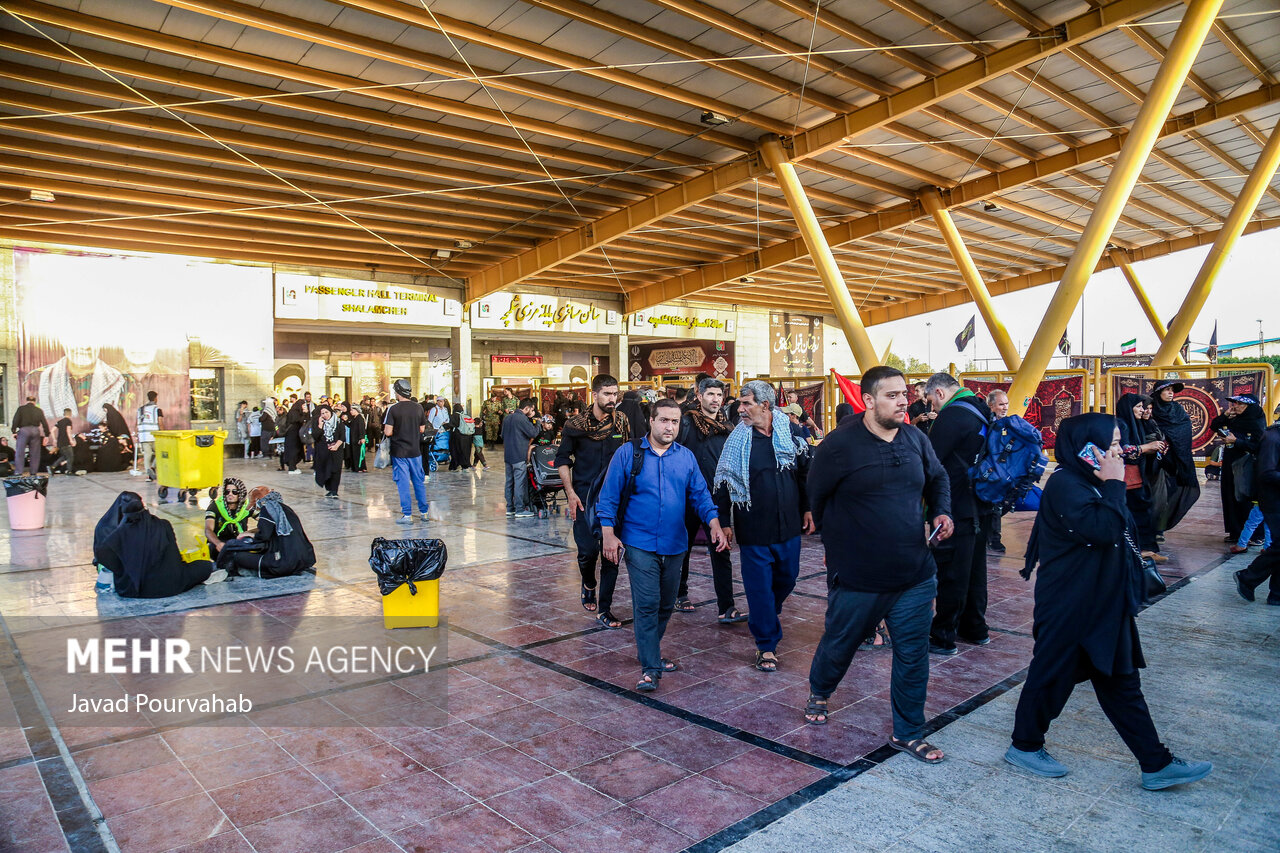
[
  {"x": 684, "y": 605},
  {"x": 670, "y": 666},
  {"x": 647, "y": 683},
  {"x": 918, "y": 749},
  {"x": 766, "y": 661},
  {"x": 608, "y": 620},
  {"x": 732, "y": 616},
  {"x": 815, "y": 712},
  {"x": 588, "y": 598},
  {"x": 883, "y": 634}
]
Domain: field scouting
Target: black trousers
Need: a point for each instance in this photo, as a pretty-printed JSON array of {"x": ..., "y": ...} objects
[
  {"x": 961, "y": 608},
  {"x": 721, "y": 566},
  {"x": 1044, "y": 696},
  {"x": 589, "y": 549},
  {"x": 1267, "y": 564},
  {"x": 292, "y": 450},
  {"x": 1139, "y": 504},
  {"x": 1235, "y": 512}
]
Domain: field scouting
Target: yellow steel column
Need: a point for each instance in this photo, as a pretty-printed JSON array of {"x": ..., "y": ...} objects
[
  {"x": 1122, "y": 261},
  {"x": 1196, "y": 22},
  {"x": 823, "y": 260},
  {"x": 972, "y": 278},
  {"x": 1245, "y": 204}
]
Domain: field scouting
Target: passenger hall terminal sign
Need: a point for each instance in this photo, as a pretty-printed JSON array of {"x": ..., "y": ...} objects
[{"x": 344, "y": 300}]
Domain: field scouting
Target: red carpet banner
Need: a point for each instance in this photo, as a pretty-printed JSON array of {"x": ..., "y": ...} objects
[
  {"x": 809, "y": 397},
  {"x": 1054, "y": 401},
  {"x": 1204, "y": 399}
]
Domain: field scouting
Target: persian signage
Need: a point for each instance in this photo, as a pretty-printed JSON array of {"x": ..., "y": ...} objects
[
  {"x": 676, "y": 321},
  {"x": 343, "y": 300},
  {"x": 795, "y": 344},
  {"x": 651, "y": 360},
  {"x": 535, "y": 313},
  {"x": 516, "y": 365}
]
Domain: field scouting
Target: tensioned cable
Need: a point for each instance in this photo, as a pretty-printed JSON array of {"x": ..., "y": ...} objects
[
  {"x": 808, "y": 61},
  {"x": 220, "y": 143},
  {"x": 589, "y": 68}
]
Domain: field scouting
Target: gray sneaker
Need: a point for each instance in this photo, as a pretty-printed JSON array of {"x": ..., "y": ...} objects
[
  {"x": 1178, "y": 772},
  {"x": 1039, "y": 762},
  {"x": 405, "y": 519},
  {"x": 524, "y": 513}
]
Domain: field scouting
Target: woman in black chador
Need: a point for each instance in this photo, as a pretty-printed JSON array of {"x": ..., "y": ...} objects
[
  {"x": 293, "y": 423},
  {"x": 1243, "y": 425},
  {"x": 1088, "y": 590},
  {"x": 1176, "y": 486},
  {"x": 1143, "y": 447},
  {"x": 329, "y": 451}
]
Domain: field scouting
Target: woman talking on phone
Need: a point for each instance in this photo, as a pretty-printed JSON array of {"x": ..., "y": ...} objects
[{"x": 1087, "y": 594}]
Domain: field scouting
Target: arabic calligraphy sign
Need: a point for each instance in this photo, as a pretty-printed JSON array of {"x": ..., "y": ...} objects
[{"x": 795, "y": 344}]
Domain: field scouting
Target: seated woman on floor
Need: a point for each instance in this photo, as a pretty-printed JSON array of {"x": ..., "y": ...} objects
[
  {"x": 228, "y": 516},
  {"x": 141, "y": 552},
  {"x": 277, "y": 549}
]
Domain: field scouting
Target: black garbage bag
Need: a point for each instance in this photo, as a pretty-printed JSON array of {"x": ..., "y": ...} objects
[
  {"x": 401, "y": 561},
  {"x": 14, "y": 486}
]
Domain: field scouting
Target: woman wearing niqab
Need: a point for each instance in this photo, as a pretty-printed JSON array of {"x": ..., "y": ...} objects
[
  {"x": 1245, "y": 422},
  {"x": 1089, "y": 587},
  {"x": 1176, "y": 485}
]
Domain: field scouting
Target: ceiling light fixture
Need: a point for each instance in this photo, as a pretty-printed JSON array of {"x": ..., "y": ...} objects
[
  {"x": 462, "y": 244},
  {"x": 444, "y": 254},
  {"x": 41, "y": 195},
  {"x": 714, "y": 119},
  {"x": 990, "y": 206},
  {"x": 746, "y": 279}
]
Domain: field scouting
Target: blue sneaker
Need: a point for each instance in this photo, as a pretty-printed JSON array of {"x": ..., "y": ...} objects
[
  {"x": 1039, "y": 762},
  {"x": 1178, "y": 772}
]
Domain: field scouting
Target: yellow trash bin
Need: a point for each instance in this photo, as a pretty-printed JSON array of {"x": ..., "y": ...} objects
[
  {"x": 189, "y": 458},
  {"x": 402, "y": 609}
]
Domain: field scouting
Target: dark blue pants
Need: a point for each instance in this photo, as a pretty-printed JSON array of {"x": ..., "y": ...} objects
[
  {"x": 1266, "y": 567},
  {"x": 851, "y": 618},
  {"x": 768, "y": 575},
  {"x": 654, "y": 580}
]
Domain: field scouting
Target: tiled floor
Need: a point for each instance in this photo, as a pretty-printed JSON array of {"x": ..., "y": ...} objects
[{"x": 544, "y": 747}]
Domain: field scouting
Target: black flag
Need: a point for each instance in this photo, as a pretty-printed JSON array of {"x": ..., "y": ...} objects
[
  {"x": 1213, "y": 344},
  {"x": 966, "y": 334},
  {"x": 1064, "y": 345}
]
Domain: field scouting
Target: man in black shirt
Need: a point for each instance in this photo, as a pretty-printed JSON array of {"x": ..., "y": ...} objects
[
  {"x": 30, "y": 430},
  {"x": 764, "y": 467},
  {"x": 66, "y": 463},
  {"x": 958, "y": 436},
  {"x": 587, "y": 443},
  {"x": 518, "y": 429},
  {"x": 875, "y": 484},
  {"x": 919, "y": 412},
  {"x": 403, "y": 424},
  {"x": 704, "y": 430}
]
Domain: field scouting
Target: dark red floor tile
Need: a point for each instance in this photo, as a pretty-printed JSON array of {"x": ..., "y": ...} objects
[
  {"x": 697, "y": 806},
  {"x": 629, "y": 774},
  {"x": 569, "y": 747},
  {"x": 241, "y": 763},
  {"x": 551, "y": 805},
  {"x": 709, "y": 698},
  {"x": 494, "y": 772},
  {"x": 446, "y": 745},
  {"x": 190, "y": 741},
  {"x": 322, "y": 828},
  {"x": 764, "y": 717},
  {"x": 312, "y": 745},
  {"x": 411, "y": 800},
  {"x": 764, "y": 775},
  {"x": 623, "y": 830},
  {"x": 270, "y": 796},
  {"x": 374, "y": 697},
  {"x": 227, "y": 842},
  {"x": 115, "y": 759},
  {"x": 169, "y": 825},
  {"x": 296, "y": 717},
  {"x": 836, "y": 741},
  {"x": 583, "y": 703},
  {"x": 367, "y": 768},
  {"x": 475, "y": 829},
  {"x": 148, "y": 787},
  {"x": 520, "y": 723},
  {"x": 695, "y": 748},
  {"x": 636, "y": 724}
]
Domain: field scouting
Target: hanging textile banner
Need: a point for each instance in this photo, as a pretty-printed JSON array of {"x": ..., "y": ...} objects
[
  {"x": 683, "y": 358},
  {"x": 1055, "y": 400},
  {"x": 810, "y": 398},
  {"x": 1204, "y": 399},
  {"x": 795, "y": 344}
]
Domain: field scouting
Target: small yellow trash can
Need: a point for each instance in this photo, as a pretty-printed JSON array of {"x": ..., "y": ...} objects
[
  {"x": 189, "y": 458},
  {"x": 403, "y": 609}
]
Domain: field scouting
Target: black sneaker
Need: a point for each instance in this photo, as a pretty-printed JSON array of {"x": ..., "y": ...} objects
[
  {"x": 996, "y": 548},
  {"x": 1246, "y": 591},
  {"x": 943, "y": 651}
]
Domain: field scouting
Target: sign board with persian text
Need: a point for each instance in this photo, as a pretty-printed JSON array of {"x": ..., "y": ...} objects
[{"x": 679, "y": 321}]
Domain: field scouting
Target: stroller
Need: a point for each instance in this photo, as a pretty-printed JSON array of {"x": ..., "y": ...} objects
[
  {"x": 545, "y": 486},
  {"x": 435, "y": 449}
]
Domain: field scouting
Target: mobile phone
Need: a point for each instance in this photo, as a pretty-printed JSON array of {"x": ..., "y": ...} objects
[
  {"x": 1087, "y": 454},
  {"x": 933, "y": 537},
  {"x": 1224, "y": 432}
]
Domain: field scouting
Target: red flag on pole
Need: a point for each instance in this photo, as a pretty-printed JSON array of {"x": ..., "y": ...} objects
[{"x": 852, "y": 392}]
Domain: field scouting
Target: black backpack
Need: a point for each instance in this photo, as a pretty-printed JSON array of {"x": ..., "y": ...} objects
[{"x": 593, "y": 494}]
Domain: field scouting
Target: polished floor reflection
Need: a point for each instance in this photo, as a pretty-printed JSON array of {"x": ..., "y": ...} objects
[{"x": 544, "y": 746}]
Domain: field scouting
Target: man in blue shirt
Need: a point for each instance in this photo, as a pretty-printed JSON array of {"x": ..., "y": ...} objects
[{"x": 652, "y": 529}]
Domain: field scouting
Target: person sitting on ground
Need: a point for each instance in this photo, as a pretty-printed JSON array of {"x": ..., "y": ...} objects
[
  {"x": 7, "y": 455},
  {"x": 278, "y": 548},
  {"x": 227, "y": 517},
  {"x": 141, "y": 553}
]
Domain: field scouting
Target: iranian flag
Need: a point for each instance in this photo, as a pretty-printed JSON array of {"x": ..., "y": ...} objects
[{"x": 1129, "y": 347}]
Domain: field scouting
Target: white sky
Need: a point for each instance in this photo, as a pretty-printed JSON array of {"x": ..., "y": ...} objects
[{"x": 1247, "y": 290}]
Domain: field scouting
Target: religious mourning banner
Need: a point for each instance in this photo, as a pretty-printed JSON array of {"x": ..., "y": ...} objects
[
  {"x": 680, "y": 358},
  {"x": 1055, "y": 400},
  {"x": 1204, "y": 399},
  {"x": 810, "y": 397},
  {"x": 551, "y": 398},
  {"x": 795, "y": 344}
]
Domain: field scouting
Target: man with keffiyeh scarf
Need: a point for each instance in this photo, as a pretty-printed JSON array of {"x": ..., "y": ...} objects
[{"x": 764, "y": 469}]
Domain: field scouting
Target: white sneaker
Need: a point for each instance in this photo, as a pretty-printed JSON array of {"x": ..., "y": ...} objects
[
  {"x": 406, "y": 519},
  {"x": 426, "y": 517},
  {"x": 524, "y": 513},
  {"x": 510, "y": 513}
]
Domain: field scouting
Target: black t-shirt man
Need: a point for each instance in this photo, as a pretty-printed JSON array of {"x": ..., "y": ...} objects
[
  {"x": 406, "y": 419},
  {"x": 64, "y": 432}
]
